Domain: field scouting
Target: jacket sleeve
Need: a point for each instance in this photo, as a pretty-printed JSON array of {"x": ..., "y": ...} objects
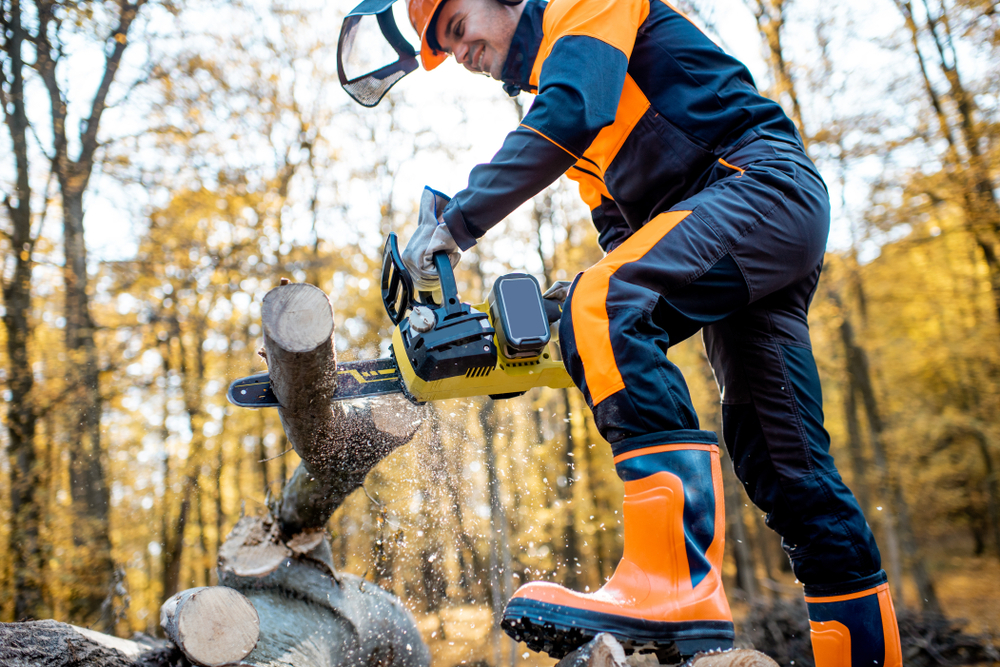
[
  {"x": 580, "y": 84},
  {"x": 612, "y": 229}
]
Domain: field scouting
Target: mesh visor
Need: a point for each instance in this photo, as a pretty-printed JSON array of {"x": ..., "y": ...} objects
[{"x": 372, "y": 55}]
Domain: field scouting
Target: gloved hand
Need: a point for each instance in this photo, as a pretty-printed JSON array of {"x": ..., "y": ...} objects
[
  {"x": 558, "y": 291},
  {"x": 555, "y": 297},
  {"x": 432, "y": 236}
]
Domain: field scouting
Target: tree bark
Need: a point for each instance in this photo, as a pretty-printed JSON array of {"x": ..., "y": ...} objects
[
  {"x": 601, "y": 651},
  {"x": 604, "y": 651},
  {"x": 22, "y": 416},
  {"x": 54, "y": 644}
]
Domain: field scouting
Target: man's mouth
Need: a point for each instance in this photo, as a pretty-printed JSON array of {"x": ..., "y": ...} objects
[{"x": 477, "y": 63}]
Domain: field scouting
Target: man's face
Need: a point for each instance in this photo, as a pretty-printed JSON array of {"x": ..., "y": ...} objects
[{"x": 478, "y": 33}]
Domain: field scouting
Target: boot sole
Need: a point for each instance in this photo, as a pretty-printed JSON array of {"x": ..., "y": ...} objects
[{"x": 559, "y": 630}]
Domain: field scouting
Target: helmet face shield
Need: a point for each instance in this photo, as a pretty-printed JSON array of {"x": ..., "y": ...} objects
[{"x": 372, "y": 55}]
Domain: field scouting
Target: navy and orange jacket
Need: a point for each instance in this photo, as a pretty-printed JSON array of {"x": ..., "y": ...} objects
[{"x": 633, "y": 102}]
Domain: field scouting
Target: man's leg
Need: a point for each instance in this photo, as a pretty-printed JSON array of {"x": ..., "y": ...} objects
[
  {"x": 666, "y": 593},
  {"x": 773, "y": 423}
]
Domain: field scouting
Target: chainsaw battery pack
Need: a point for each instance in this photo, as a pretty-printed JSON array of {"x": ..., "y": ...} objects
[{"x": 516, "y": 306}]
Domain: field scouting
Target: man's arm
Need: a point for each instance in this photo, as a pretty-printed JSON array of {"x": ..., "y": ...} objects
[{"x": 580, "y": 85}]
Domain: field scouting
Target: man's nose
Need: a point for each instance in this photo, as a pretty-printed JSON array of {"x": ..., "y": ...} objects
[{"x": 462, "y": 53}]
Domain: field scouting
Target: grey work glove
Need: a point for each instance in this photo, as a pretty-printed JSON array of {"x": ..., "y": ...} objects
[
  {"x": 558, "y": 291},
  {"x": 432, "y": 236},
  {"x": 556, "y": 294}
]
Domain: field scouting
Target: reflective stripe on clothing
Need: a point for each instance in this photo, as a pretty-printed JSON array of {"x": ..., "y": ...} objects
[{"x": 639, "y": 95}]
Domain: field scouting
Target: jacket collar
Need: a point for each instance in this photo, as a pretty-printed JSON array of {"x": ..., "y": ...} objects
[{"x": 523, "y": 49}]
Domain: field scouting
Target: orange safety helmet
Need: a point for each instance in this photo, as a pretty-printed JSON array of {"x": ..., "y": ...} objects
[{"x": 421, "y": 18}]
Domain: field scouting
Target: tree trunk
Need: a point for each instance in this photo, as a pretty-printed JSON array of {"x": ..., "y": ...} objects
[
  {"x": 22, "y": 417},
  {"x": 746, "y": 566},
  {"x": 501, "y": 582},
  {"x": 854, "y": 444},
  {"x": 569, "y": 549},
  {"x": 173, "y": 544},
  {"x": 88, "y": 486},
  {"x": 860, "y": 378},
  {"x": 467, "y": 555}
]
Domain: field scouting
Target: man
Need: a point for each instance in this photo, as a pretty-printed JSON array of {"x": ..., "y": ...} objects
[{"x": 714, "y": 219}]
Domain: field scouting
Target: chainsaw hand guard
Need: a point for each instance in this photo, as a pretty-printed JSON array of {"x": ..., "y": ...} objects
[{"x": 397, "y": 285}]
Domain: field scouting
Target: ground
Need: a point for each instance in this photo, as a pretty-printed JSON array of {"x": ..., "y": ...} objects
[{"x": 969, "y": 588}]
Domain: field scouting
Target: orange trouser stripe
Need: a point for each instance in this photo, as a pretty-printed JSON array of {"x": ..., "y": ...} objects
[
  {"x": 850, "y": 596},
  {"x": 665, "y": 448},
  {"x": 591, "y": 326}
]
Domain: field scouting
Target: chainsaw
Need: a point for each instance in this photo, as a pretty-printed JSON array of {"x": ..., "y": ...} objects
[{"x": 444, "y": 348}]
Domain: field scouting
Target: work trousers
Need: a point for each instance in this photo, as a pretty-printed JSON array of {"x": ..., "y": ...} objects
[{"x": 739, "y": 261}]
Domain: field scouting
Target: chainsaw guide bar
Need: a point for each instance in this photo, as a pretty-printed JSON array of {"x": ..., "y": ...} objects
[
  {"x": 355, "y": 379},
  {"x": 444, "y": 348}
]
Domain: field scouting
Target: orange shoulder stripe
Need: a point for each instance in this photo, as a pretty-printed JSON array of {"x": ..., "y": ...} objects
[
  {"x": 614, "y": 22},
  {"x": 551, "y": 140}
]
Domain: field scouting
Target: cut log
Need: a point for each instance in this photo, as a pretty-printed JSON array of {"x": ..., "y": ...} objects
[
  {"x": 212, "y": 625},
  {"x": 256, "y": 548},
  {"x": 601, "y": 651},
  {"x": 605, "y": 651},
  {"x": 311, "y": 617},
  {"x": 737, "y": 657},
  {"x": 298, "y": 342},
  {"x": 339, "y": 444},
  {"x": 54, "y": 644},
  {"x": 297, "y": 609}
]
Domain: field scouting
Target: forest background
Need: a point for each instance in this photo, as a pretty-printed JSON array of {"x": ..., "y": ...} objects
[{"x": 164, "y": 163}]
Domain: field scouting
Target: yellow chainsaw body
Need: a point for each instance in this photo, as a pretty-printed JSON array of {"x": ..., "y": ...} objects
[{"x": 510, "y": 377}]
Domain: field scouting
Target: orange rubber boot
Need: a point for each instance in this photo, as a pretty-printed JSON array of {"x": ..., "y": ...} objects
[
  {"x": 666, "y": 594},
  {"x": 854, "y": 625}
]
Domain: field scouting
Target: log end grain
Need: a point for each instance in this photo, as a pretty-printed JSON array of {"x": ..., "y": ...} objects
[
  {"x": 253, "y": 548},
  {"x": 737, "y": 657},
  {"x": 212, "y": 626},
  {"x": 298, "y": 317}
]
